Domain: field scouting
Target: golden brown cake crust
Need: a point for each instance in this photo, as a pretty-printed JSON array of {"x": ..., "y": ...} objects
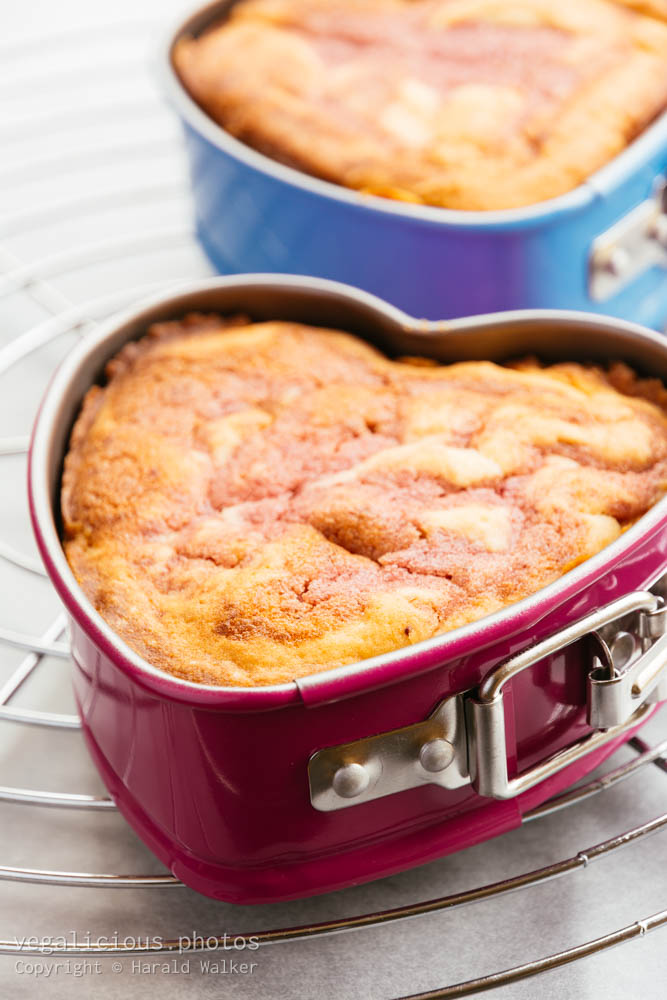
[
  {"x": 466, "y": 104},
  {"x": 249, "y": 503}
]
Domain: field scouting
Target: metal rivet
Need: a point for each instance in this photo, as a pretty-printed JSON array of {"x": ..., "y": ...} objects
[
  {"x": 351, "y": 780},
  {"x": 658, "y": 229},
  {"x": 617, "y": 261},
  {"x": 436, "y": 755}
]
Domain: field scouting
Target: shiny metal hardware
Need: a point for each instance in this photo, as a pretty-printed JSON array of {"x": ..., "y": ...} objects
[
  {"x": 632, "y": 670},
  {"x": 436, "y": 755},
  {"x": 464, "y": 740},
  {"x": 629, "y": 632},
  {"x": 631, "y": 246},
  {"x": 351, "y": 780},
  {"x": 430, "y": 752}
]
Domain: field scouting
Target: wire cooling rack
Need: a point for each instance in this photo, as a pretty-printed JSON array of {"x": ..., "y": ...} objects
[{"x": 95, "y": 215}]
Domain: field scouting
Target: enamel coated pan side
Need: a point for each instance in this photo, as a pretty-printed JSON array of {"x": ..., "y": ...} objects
[{"x": 216, "y": 779}]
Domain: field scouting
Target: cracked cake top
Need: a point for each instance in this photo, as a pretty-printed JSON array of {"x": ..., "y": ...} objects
[
  {"x": 465, "y": 104},
  {"x": 247, "y": 503}
]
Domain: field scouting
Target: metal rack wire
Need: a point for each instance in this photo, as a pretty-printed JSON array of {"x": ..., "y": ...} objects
[{"x": 39, "y": 278}]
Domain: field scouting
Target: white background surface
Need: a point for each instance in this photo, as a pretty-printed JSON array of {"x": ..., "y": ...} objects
[{"x": 80, "y": 125}]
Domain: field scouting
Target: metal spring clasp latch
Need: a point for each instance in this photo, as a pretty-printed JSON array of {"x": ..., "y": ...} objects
[
  {"x": 630, "y": 247},
  {"x": 631, "y": 633},
  {"x": 631, "y": 671},
  {"x": 464, "y": 740}
]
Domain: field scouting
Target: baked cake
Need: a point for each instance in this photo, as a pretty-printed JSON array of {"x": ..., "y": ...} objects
[
  {"x": 247, "y": 503},
  {"x": 466, "y": 104}
]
